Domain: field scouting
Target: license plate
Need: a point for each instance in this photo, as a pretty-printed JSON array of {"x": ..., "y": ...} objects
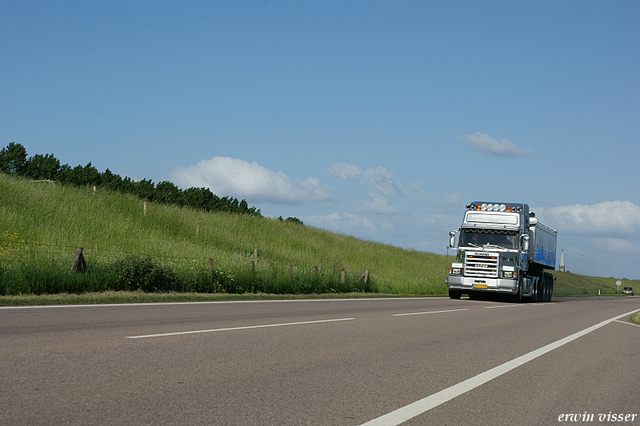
[{"x": 479, "y": 286}]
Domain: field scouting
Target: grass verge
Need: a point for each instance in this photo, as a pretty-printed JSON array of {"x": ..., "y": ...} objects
[{"x": 113, "y": 297}]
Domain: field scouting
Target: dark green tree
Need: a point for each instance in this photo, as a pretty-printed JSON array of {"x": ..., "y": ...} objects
[
  {"x": 145, "y": 189},
  {"x": 168, "y": 193},
  {"x": 294, "y": 220},
  {"x": 80, "y": 176},
  {"x": 199, "y": 198},
  {"x": 42, "y": 167},
  {"x": 110, "y": 181},
  {"x": 13, "y": 158}
]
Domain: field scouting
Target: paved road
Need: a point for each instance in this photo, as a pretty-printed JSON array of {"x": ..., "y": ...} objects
[{"x": 323, "y": 362}]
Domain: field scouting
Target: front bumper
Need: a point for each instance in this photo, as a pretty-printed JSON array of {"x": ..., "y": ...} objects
[{"x": 492, "y": 285}]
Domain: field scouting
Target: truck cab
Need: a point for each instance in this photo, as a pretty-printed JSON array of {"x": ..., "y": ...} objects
[{"x": 502, "y": 249}]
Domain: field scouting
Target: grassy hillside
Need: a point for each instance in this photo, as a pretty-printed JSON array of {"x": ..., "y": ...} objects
[
  {"x": 568, "y": 284},
  {"x": 48, "y": 223},
  {"x": 42, "y": 226}
]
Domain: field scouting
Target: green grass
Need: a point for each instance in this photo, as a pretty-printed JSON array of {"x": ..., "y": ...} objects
[
  {"x": 45, "y": 225},
  {"x": 42, "y": 226},
  {"x": 110, "y": 297},
  {"x": 635, "y": 317},
  {"x": 568, "y": 284}
]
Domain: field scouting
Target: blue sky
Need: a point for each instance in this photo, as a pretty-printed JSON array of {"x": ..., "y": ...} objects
[{"x": 376, "y": 119}]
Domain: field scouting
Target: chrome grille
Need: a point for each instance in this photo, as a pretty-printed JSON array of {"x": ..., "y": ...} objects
[{"x": 481, "y": 266}]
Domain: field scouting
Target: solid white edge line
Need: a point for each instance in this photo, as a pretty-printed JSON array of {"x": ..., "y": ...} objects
[
  {"x": 628, "y": 323},
  {"x": 501, "y": 306},
  {"x": 210, "y": 302},
  {"x": 429, "y": 312},
  {"x": 421, "y": 406},
  {"x": 248, "y": 327}
]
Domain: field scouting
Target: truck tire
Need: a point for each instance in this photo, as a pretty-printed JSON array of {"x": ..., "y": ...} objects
[
  {"x": 517, "y": 298},
  {"x": 548, "y": 278},
  {"x": 548, "y": 299},
  {"x": 541, "y": 290},
  {"x": 534, "y": 293},
  {"x": 546, "y": 289},
  {"x": 455, "y": 294}
]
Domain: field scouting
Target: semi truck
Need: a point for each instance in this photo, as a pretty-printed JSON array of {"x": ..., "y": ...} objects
[{"x": 502, "y": 249}]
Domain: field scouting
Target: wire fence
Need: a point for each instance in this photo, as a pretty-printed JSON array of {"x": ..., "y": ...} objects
[{"x": 39, "y": 268}]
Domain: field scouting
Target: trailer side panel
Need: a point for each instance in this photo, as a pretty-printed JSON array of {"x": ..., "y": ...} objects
[{"x": 544, "y": 247}]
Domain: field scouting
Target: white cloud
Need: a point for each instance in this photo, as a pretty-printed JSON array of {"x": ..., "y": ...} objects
[
  {"x": 226, "y": 176},
  {"x": 616, "y": 245},
  {"x": 341, "y": 222},
  {"x": 450, "y": 200},
  {"x": 488, "y": 144},
  {"x": 442, "y": 221},
  {"x": 617, "y": 217},
  {"x": 383, "y": 181},
  {"x": 379, "y": 178},
  {"x": 416, "y": 189},
  {"x": 380, "y": 204},
  {"x": 344, "y": 171}
]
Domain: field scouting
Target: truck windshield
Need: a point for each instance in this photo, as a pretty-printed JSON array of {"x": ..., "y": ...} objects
[{"x": 488, "y": 238}]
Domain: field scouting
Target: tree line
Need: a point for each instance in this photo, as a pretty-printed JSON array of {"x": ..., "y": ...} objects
[{"x": 14, "y": 160}]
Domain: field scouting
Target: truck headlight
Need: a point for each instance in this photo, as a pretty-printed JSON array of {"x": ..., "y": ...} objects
[
  {"x": 507, "y": 274},
  {"x": 456, "y": 269}
]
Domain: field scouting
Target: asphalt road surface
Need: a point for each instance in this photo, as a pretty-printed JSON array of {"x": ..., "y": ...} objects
[{"x": 420, "y": 361}]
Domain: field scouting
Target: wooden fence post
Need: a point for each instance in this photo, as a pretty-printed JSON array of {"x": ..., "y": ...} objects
[
  {"x": 343, "y": 276},
  {"x": 291, "y": 272},
  {"x": 366, "y": 275},
  {"x": 197, "y": 230},
  {"x": 145, "y": 208},
  {"x": 78, "y": 264}
]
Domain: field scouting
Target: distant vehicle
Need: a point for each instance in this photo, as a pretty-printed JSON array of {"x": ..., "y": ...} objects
[
  {"x": 502, "y": 249},
  {"x": 627, "y": 290}
]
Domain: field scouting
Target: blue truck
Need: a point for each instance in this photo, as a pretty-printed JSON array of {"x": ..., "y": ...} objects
[{"x": 502, "y": 249}]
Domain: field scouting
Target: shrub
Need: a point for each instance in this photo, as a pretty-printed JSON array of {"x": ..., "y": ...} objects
[
  {"x": 211, "y": 281},
  {"x": 133, "y": 273}
]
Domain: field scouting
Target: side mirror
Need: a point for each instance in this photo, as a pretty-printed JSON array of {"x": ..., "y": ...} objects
[
  {"x": 452, "y": 239},
  {"x": 525, "y": 243}
]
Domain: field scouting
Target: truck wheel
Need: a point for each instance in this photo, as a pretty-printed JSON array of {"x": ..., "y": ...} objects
[
  {"x": 518, "y": 296},
  {"x": 455, "y": 294},
  {"x": 545, "y": 289},
  {"x": 534, "y": 293}
]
